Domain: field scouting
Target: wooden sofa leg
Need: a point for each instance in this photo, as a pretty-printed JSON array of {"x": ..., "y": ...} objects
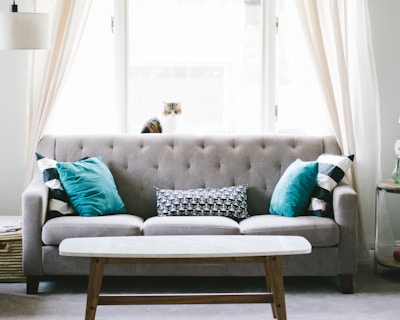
[
  {"x": 32, "y": 285},
  {"x": 346, "y": 283}
]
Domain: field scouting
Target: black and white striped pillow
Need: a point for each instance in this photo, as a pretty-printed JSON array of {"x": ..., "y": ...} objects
[
  {"x": 331, "y": 170},
  {"x": 59, "y": 204}
]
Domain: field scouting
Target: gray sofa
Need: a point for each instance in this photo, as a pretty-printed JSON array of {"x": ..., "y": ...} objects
[{"x": 140, "y": 162}]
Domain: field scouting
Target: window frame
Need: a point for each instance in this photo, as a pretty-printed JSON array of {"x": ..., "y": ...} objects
[{"x": 268, "y": 75}]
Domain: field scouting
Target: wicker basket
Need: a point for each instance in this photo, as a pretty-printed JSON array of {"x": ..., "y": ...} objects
[{"x": 11, "y": 257}]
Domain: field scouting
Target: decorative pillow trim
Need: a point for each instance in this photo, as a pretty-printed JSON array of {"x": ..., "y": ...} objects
[
  {"x": 228, "y": 201},
  {"x": 331, "y": 170}
]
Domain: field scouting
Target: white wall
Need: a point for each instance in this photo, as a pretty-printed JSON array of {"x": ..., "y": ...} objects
[
  {"x": 13, "y": 123},
  {"x": 385, "y": 23},
  {"x": 385, "y": 26},
  {"x": 13, "y": 66}
]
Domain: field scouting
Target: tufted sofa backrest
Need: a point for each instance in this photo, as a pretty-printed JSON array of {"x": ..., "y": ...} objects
[{"x": 140, "y": 162}]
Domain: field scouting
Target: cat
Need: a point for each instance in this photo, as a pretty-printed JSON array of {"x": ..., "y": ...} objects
[
  {"x": 152, "y": 125},
  {"x": 171, "y": 115},
  {"x": 172, "y": 109}
]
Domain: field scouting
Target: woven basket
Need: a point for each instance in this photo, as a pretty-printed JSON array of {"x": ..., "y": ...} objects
[{"x": 11, "y": 257}]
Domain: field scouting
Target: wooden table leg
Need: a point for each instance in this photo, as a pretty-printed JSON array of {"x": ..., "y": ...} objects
[
  {"x": 274, "y": 279},
  {"x": 269, "y": 285},
  {"x": 94, "y": 286}
]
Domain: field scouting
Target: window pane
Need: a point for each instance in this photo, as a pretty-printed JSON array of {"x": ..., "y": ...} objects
[
  {"x": 204, "y": 54},
  {"x": 86, "y": 103}
]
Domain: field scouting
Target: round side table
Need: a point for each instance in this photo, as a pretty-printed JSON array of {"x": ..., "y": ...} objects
[{"x": 387, "y": 260}]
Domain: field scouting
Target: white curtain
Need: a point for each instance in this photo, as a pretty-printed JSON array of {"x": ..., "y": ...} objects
[
  {"x": 340, "y": 37},
  {"x": 49, "y": 68}
]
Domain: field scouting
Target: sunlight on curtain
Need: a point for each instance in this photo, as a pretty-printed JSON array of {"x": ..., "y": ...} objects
[
  {"x": 341, "y": 39},
  {"x": 301, "y": 100},
  {"x": 49, "y": 68},
  {"x": 86, "y": 103}
]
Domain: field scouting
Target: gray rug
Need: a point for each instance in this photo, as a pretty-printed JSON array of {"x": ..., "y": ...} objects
[{"x": 375, "y": 297}]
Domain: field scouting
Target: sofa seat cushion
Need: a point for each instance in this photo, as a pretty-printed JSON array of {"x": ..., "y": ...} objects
[
  {"x": 57, "y": 229},
  {"x": 321, "y": 232},
  {"x": 190, "y": 225}
]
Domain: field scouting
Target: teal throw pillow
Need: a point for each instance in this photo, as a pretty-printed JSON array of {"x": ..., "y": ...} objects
[
  {"x": 292, "y": 193},
  {"x": 90, "y": 187}
]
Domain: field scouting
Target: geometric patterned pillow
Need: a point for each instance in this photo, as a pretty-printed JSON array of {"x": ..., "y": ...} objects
[
  {"x": 228, "y": 202},
  {"x": 59, "y": 204},
  {"x": 331, "y": 170}
]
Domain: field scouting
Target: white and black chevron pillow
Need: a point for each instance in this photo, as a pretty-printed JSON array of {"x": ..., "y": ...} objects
[
  {"x": 59, "y": 204},
  {"x": 331, "y": 170},
  {"x": 228, "y": 201}
]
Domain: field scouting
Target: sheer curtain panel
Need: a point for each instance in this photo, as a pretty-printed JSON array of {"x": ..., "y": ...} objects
[
  {"x": 49, "y": 68},
  {"x": 339, "y": 34}
]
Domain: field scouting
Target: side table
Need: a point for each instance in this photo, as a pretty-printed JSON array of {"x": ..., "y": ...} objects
[
  {"x": 387, "y": 260},
  {"x": 11, "y": 251}
]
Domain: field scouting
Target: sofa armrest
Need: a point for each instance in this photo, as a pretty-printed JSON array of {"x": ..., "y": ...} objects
[
  {"x": 34, "y": 208},
  {"x": 345, "y": 211}
]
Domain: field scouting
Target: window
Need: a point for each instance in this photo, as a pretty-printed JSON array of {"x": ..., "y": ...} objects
[
  {"x": 221, "y": 59},
  {"x": 87, "y": 101},
  {"x": 205, "y": 54}
]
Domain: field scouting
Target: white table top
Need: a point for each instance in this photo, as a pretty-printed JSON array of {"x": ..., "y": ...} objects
[{"x": 204, "y": 246}]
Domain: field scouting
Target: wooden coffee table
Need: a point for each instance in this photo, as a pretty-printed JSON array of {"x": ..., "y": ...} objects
[{"x": 186, "y": 249}]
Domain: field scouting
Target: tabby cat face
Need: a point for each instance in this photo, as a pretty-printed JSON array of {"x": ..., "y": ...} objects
[{"x": 172, "y": 108}]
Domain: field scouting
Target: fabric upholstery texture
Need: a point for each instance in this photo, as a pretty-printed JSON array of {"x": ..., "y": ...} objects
[
  {"x": 187, "y": 225},
  {"x": 139, "y": 162},
  {"x": 325, "y": 232},
  {"x": 57, "y": 229}
]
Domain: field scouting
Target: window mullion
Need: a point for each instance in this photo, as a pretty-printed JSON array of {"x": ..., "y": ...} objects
[
  {"x": 269, "y": 65},
  {"x": 121, "y": 47}
]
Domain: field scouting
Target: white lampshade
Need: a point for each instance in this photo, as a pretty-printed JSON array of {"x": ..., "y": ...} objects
[{"x": 23, "y": 31}]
